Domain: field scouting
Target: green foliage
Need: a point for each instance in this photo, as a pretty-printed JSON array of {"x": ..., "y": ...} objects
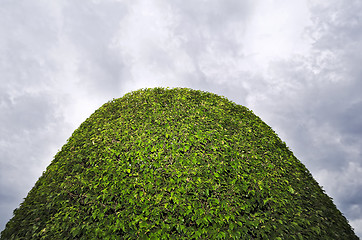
[{"x": 176, "y": 164}]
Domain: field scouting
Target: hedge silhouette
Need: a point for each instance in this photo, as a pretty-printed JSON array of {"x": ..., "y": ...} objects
[{"x": 176, "y": 164}]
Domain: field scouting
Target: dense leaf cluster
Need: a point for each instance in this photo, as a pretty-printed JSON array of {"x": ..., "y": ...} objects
[{"x": 176, "y": 164}]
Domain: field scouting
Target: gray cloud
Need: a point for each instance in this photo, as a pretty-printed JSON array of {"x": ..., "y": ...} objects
[
  {"x": 27, "y": 143},
  {"x": 314, "y": 102},
  {"x": 30, "y": 116},
  {"x": 90, "y": 29}
]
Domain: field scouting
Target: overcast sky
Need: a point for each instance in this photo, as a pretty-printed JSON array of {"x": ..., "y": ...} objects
[{"x": 296, "y": 64}]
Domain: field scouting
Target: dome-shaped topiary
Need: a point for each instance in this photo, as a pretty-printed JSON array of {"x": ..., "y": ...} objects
[{"x": 176, "y": 164}]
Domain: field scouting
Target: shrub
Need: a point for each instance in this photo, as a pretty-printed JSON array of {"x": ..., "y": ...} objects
[{"x": 176, "y": 164}]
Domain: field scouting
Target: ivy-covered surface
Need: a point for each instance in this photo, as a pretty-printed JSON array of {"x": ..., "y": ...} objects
[{"x": 176, "y": 164}]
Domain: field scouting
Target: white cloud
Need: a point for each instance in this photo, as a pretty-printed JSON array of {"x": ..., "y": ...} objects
[
  {"x": 357, "y": 226},
  {"x": 276, "y": 31}
]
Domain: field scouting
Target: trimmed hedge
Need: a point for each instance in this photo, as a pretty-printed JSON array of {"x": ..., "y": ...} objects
[{"x": 176, "y": 164}]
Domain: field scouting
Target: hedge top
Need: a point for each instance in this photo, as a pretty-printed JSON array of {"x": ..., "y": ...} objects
[{"x": 176, "y": 163}]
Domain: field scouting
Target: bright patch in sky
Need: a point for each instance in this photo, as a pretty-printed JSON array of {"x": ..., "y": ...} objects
[{"x": 274, "y": 33}]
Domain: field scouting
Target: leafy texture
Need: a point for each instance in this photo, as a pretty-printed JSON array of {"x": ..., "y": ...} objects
[{"x": 176, "y": 164}]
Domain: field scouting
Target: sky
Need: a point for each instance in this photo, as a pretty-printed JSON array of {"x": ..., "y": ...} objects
[{"x": 296, "y": 64}]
